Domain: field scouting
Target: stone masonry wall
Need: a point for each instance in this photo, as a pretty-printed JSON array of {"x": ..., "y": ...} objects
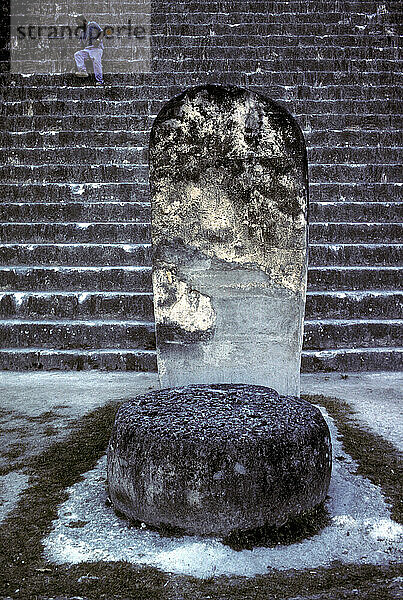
[{"x": 335, "y": 65}]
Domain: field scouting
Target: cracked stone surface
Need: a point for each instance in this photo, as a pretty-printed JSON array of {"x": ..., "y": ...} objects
[{"x": 229, "y": 203}]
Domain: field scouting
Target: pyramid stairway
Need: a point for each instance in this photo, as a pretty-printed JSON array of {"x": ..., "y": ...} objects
[{"x": 75, "y": 274}]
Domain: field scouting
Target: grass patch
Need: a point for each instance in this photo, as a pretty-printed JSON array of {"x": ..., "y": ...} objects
[
  {"x": 50, "y": 431},
  {"x": 15, "y": 466},
  {"x": 14, "y": 451},
  {"x": 24, "y": 569}
]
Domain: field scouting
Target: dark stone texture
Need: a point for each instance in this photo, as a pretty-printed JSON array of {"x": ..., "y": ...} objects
[
  {"x": 362, "y": 359},
  {"x": 213, "y": 459},
  {"x": 30, "y": 359},
  {"x": 75, "y": 334},
  {"x": 75, "y": 279},
  {"x": 350, "y": 279},
  {"x": 229, "y": 201}
]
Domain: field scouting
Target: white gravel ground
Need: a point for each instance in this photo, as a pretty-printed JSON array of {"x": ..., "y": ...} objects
[
  {"x": 11, "y": 487},
  {"x": 376, "y": 398},
  {"x": 361, "y": 532}
]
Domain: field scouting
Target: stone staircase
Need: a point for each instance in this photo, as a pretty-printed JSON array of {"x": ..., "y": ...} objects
[{"x": 75, "y": 274}]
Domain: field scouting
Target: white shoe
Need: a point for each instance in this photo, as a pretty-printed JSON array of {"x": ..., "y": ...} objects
[{"x": 81, "y": 73}]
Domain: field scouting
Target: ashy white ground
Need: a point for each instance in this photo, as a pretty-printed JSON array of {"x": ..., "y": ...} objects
[
  {"x": 361, "y": 531},
  {"x": 11, "y": 487}
]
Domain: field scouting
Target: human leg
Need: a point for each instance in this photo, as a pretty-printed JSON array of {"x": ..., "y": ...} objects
[
  {"x": 80, "y": 58},
  {"x": 96, "y": 56}
]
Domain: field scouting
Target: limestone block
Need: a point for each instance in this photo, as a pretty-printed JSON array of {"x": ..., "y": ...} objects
[
  {"x": 229, "y": 202},
  {"x": 217, "y": 459}
]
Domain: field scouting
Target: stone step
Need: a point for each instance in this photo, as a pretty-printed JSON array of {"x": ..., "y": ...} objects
[
  {"x": 350, "y": 139},
  {"x": 294, "y": 22},
  {"x": 40, "y": 359},
  {"x": 60, "y": 80},
  {"x": 166, "y": 29},
  {"x": 312, "y": 122},
  {"x": 76, "y": 305},
  {"x": 364, "y": 233},
  {"x": 37, "y": 63},
  {"x": 202, "y": 66},
  {"x": 150, "y": 92},
  {"x": 87, "y": 92},
  {"x": 75, "y": 211},
  {"x": 291, "y": 77},
  {"x": 109, "y": 254},
  {"x": 134, "y": 122},
  {"x": 53, "y": 173},
  {"x": 328, "y": 334},
  {"x": 264, "y": 53},
  {"x": 356, "y": 212},
  {"x": 70, "y": 155},
  {"x": 348, "y": 155},
  {"x": 125, "y": 253},
  {"x": 85, "y": 152},
  {"x": 81, "y": 210},
  {"x": 368, "y": 304},
  {"x": 352, "y": 173},
  {"x": 76, "y": 122},
  {"x": 129, "y": 278},
  {"x": 352, "y": 359},
  {"x": 240, "y": 72},
  {"x": 31, "y": 278},
  {"x": 57, "y": 139},
  {"x": 127, "y": 191},
  {"x": 35, "y": 108},
  {"x": 210, "y": 60},
  {"x": 76, "y": 232},
  {"x": 74, "y": 334},
  {"x": 111, "y": 333},
  {"x": 75, "y": 254},
  {"x": 354, "y": 278},
  {"x": 137, "y": 107},
  {"x": 369, "y": 192},
  {"x": 344, "y": 197},
  {"x": 355, "y": 254},
  {"x": 121, "y": 231},
  {"x": 50, "y": 192},
  {"x": 347, "y": 138},
  {"x": 110, "y": 172}
]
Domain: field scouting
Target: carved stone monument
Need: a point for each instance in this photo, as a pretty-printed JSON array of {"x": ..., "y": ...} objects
[
  {"x": 224, "y": 453},
  {"x": 229, "y": 229}
]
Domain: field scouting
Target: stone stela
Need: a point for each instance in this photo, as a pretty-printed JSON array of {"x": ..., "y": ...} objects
[
  {"x": 217, "y": 452},
  {"x": 229, "y": 197}
]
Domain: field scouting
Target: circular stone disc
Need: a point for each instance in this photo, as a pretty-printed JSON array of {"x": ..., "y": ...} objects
[{"x": 212, "y": 459}]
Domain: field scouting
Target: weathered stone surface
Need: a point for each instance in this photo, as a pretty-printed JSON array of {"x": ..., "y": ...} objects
[
  {"x": 218, "y": 458},
  {"x": 229, "y": 202}
]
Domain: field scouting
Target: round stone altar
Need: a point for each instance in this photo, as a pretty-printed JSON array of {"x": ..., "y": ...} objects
[{"x": 213, "y": 459}]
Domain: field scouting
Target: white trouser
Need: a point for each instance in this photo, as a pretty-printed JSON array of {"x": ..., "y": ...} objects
[{"x": 95, "y": 54}]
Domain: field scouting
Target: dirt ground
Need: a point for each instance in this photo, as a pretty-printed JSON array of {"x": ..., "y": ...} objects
[{"x": 55, "y": 427}]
